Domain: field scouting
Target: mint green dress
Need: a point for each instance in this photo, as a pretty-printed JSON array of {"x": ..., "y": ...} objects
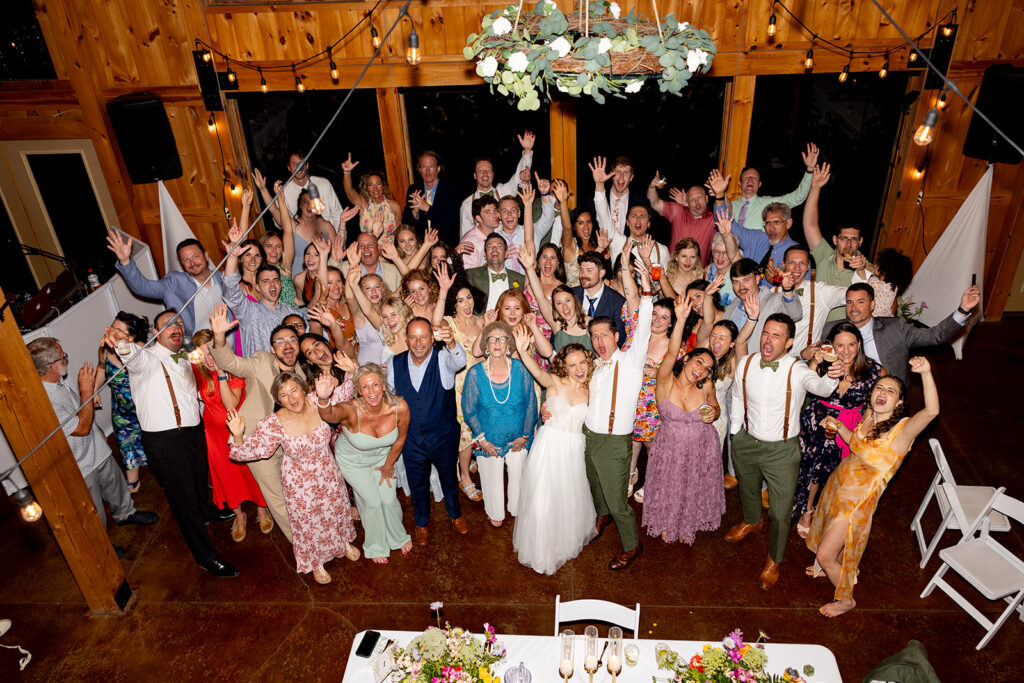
[{"x": 379, "y": 510}]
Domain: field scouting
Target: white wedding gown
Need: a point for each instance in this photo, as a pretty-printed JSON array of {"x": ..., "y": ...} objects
[{"x": 556, "y": 512}]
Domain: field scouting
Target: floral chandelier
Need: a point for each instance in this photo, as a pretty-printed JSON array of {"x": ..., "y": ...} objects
[{"x": 591, "y": 52}]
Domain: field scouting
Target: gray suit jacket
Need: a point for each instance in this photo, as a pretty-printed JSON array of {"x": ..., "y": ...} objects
[
  {"x": 480, "y": 278},
  {"x": 771, "y": 302},
  {"x": 894, "y": 337}
]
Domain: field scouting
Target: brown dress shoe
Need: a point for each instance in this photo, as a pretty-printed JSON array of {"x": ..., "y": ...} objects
[
  {"x": 421, "y": 535},
  {"x": 770, "y": 574},
  {"x": 742, "y": 530},
  {"x": 461, "y": 526},
  {"x": 602, "y": 522},
  {"x": 764, "y": 499},
  {"x": 730, "y": 482},
  {"x": 623, "y": 560}
]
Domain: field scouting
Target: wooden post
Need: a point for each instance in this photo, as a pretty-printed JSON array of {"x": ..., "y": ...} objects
[
  {"x": 563, "y": 141},
  {"x": 394, "y": 139},
  {"x": 999, "y": 278},
  {"x": 739, "y": 109},
  {"x": 27, "y": 416}
]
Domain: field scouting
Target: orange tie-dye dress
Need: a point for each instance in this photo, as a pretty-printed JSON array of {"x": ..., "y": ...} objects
[{"x": 852, "y": 493}]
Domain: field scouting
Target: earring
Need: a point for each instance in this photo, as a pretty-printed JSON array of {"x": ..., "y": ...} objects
[{"x": 508, "y": 352}]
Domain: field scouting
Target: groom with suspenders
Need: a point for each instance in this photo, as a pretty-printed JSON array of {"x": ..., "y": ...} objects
[{"x": 767, "y": 396}]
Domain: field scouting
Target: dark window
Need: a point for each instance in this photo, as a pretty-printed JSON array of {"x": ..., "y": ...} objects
[
  {"x": 278, "y": 124},
  {"x": 23, "y": 53},
  {"x": 463, "y": 123},
  {"x": 15, "y": 277},
  {"x": 853, "y": 123},
  {"x": 70, "y": 201}
]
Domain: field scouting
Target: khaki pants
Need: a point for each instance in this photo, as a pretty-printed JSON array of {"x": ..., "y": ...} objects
[{"x": 267, "y": 474}]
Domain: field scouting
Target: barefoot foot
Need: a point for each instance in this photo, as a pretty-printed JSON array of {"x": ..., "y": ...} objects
[
  {"x": 834, "y": 609},
  {"x": 407, "y": 548},
  {"x": 379, "y": 560}
]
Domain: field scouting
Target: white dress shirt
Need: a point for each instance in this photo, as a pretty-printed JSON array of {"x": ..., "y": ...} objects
[
  {"x": 617, "y": 212},
  {"x": 152, "y": 398},
  {"x": 826, "y": 297},
  {"x": 495, "y": 288},
  {"x": 867, "y": 335},
  {"x": 766, "y": 399},
  {"x": 332, "y": 207},
  {"x": 631, "y": 376},
  {"x": 510, "y": 186},
  {"x": 606, "y": 221},
  {"x": 596, "y": 297}
]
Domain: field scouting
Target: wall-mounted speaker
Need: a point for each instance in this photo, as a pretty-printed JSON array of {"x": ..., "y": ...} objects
[
  {"x": 144, "y": 136},
  {"x": 1001, "y": 98}
]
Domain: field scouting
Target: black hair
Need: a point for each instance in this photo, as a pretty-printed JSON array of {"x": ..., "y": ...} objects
[
  {"x": 785, "y": 320},
  {"x": 594, "y": 258},
  {"x": 677, "y": 367},
  {"x": 601, "y": 320},
  {"x": 862, "y": 287},
  {"x": 279, "y": 328},
  {"x": 138, "y": 326},
  {"x": 480, "y": 202},
  {"x": 744, "y": 266},
  {"x": 702, "y": 285},
  {"x": 311, "y": 369},
  {"x": 156, "y": 319},
  {"x": 190, "y": 242},
  {"x": 479, "y": 299},
  {"x": 895, "y": 268},
  {"x": 266, "y": 267}
]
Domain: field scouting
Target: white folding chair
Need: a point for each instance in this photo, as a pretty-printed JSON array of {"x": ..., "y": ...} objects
[
  {"x": 972, "y": 501},
  {"x": 983, "y": 562},
  {"x": 597, "y": 610}
]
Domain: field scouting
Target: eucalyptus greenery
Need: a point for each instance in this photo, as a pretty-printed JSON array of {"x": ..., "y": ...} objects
[{"x": 613, "y": 56}]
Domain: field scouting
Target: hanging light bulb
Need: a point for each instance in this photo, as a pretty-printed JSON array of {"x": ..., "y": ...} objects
[
  {"x": 412, "y": 54},
  {"x": 924, "y": 132},
  {"x": 771, "y": 24},
  {"x": 941, "y": 104},
  {"x": 809, "y": 59},
  {"x": 231, "y": 75},
  {"x": 885, "y": 67},
  {"x": 912, "y": 57},
  {"x": 211, "y": 124},
  {"x": 845, "y": 74},
  {"x": 374, "y": 36},
  {"x": 31, "y": 511},
  {"x": 298, "y": 81},
  {"x": 334, "y": 67},
  {"x": 917, "y": 173},
  {"x": 263, "y": 81},
  {"x": 207, "y": 56},
  {"x": 316, "y": 205}
]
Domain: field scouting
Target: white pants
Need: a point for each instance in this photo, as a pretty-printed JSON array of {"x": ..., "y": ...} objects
[{"x": 492, "y": 482}]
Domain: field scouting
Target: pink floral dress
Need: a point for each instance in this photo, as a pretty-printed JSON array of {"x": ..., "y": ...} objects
[{"x": 314, "y": 492}]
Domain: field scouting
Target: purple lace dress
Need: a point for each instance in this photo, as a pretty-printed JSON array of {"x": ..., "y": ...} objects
[{"x": 683, "y": 493}]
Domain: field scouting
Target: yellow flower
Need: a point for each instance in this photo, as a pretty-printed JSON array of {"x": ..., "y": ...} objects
[
  {"x": 486, "y": 677},
  {"x": 707, "y": 648}
]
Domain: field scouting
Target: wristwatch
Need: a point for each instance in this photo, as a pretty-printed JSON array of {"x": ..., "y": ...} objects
[{"x": 961, "y": 311}]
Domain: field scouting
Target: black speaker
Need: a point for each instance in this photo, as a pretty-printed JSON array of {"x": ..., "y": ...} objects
[
  {"x": 1001, "y": 98},
  {"x": 144, "y": 137}
]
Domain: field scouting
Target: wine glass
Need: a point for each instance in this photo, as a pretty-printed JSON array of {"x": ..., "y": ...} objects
[
  {"x": 590, "y": 656},
  {"x": 614, "y": 651},
  {"x": 565, "y": 665}
]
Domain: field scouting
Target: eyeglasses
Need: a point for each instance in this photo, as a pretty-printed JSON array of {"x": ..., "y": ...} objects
[
  {"x": 62, "y": 359},
  {"x": 281, "y": 341},
  {"x": 497, "y": 341},
  {"x": 775, "y": 222}
]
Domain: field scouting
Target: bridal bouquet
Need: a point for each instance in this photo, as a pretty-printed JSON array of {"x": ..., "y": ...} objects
[{"x": 733, "y": 661}]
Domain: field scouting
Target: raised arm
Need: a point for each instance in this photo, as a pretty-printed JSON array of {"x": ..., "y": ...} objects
[
  {"x": 287, "y": 224},
  {"x": 723, "y": 220},
  {"x": 444, "y": 282},
  {"x": 812, "y": 229},
  {"x": 526, "y": 258},
  {"x": 430, "y": 238},
  {"x": 600, "y": 175},
  {"x": 523, "y": 337},
  {"x": 527, "y": 194},
  {"x": 797, "y": 196},
  {"x": 230, "y": 391},
  {"x": 708, "y": 309},
  {"x": 652, "y": 193},
  {"x": 261, "y": 184},
  {"x": 916, "y": 424},
  {"x": 629, "y": 290},
  {"x": 350, "y": 191},
  {"x": 664, "y": 377},
  {"x": 544, "y": 347},
  {"x": 752, "y": 305},
  {"x": 371, "y": 314},
  {"x": 561, "y": 191}
]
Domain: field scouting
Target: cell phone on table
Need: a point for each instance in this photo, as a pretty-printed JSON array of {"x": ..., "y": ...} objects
[{"x": 366, "y": 645}]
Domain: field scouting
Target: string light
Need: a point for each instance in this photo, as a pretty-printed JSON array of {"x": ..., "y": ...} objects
[
  {"x": 913, "y": 56},
  {"x": 334, "y": 67},
  {"x": 207, "y": 56},
  {"x": 412, "y": 55},
  {"x": 947, "y": 30},
  {"x": 298, "y": 81},
  {"x": 374, "y": 36},
  {"x": 231, "y": 75},
  {"x": 31, "y": 511},
  {"x": 771, "y": 23},
  {"x": 211, "y": 124},
  {"x": 809, "y": 59},
  {"x": 923, "y": 135},
  {"x": 885, "y": 67},
  {"x": 941, "y": 104},
  {"x": 316, "y": 204},
  {"x": 263, "y": 81},
  {"x": 845, "y": 74},
  {"x": 917, "y": 173}
]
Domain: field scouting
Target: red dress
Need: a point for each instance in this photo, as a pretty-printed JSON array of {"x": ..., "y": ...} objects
[{"x": 232, "y": 482}]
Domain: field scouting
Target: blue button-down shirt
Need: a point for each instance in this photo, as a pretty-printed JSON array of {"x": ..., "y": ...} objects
[{"x": 449, "y": 363}]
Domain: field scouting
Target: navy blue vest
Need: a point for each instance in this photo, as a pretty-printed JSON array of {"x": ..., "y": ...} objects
[{"x": 432, "y": 416}]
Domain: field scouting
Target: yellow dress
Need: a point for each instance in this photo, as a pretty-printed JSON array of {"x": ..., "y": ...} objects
[
  {"x": 852, "y": 492},
  {"x": 466, "y": 438}
]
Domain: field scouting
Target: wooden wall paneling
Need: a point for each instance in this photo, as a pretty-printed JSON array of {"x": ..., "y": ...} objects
[
  {"x": 242, "y": 167},
  {"x": 395, "y": 140},
  {"x": 981, "y": 30},
  {"x": 562, "y": 116},
  {"x": 738, "y": 113}
]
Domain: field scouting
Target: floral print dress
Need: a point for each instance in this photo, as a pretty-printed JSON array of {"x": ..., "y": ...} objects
[
  {"x": 122, "y": 415},
  {"x": 314, "y": 492}
]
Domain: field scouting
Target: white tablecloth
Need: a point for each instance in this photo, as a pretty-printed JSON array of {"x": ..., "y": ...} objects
[{"x": 540, "y": 654}]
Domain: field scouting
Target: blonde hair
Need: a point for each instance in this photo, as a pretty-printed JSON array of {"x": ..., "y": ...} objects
[
  {"x": 404, "y": 316},
  {"x": 673, "y": 267},
  {"x": 381, "y": 372}
]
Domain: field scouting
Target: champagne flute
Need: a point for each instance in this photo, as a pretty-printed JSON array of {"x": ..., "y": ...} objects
[
  {"x": 615, "y": 651},
  {"x": 590, "y": 656},
  {"x": 565, "y": 665}
]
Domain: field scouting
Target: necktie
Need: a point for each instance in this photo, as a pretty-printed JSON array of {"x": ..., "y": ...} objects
[
  {"x": 774, "y": 365},
  {"x": 592, "y": 300},
  {"x": 764, "y": 259},
  {"x": 497, "y": 276},
  {"x": 741, "y": 218}
]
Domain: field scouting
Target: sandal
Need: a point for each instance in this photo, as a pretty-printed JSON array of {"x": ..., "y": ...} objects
[
  {"x": 134, "y": 486},
  {"x": 472, "y": 492},
  {"x": 352, "y": 552},
  {"x": 354, "y": 512},
  {"x": 639, "y": 495},
  {"x": 321, "y": 576},
  {"x": 802, "y": 530},
  {"x": 472, "y": 466},
  {"x": 814, "y": 571},
  {"x": 633, "y": 476},
  {"x": 495, "y": 523}
]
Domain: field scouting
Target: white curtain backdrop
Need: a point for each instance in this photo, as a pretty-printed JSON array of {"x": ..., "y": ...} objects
[
  {"x": 959, "y": 254},
  {"x": 173, "y": 228}
]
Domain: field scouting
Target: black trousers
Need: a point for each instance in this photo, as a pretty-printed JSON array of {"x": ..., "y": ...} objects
[{"x": 177, "y": 458}]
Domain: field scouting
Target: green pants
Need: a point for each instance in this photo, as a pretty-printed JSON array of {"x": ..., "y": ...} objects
[
  {"x": 378, "y": 505},
  {"x": 607, "y": 457},
  {"x": 778, "y": 463}
]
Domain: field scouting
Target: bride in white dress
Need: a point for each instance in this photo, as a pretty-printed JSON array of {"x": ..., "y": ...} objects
[{"x": 556, "y": 512}]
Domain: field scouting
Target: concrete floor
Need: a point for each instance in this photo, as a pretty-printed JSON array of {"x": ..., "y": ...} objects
[{"x": 271, "y": 624}]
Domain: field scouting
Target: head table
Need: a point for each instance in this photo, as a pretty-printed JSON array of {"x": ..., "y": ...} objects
[{"x": 540, "y": 654}]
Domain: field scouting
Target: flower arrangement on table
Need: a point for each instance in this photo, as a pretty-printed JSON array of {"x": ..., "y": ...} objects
[
  {"x": 734, "y": 661},
  {"x": 907, "y": 309},
  {"x": 448, "y": 655},
  {"x": 592, "y": 51}
]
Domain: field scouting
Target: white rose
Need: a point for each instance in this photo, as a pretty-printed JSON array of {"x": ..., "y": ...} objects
[
  {"x": 635, "y": 86},
  {"x": 604, "y": 45},
  {"x": 562, "y": 45},
  {"x": 692, "y": 61},
  {"x": 518, "y": 61},
  {"x": 703, "y": 56},
  {"x": 615, "y": 9},
  {"x": 549, "y": 6},
  {"x": 501, "y": 26},
  {"x": 561, "y": 88},
  {"x": 489, "y": 66},
  {"x": 685, "y": 25}
]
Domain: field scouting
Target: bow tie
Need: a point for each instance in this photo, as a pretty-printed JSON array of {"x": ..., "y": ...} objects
[
  {"x": 774, "y": 365},
  {"x": 180, "y": 355},
  {"x": 497, "y": 276},
  {"x": 602, "y": 363},
  {"x": 799, "y": 291},
  {"x": 489, "y": 193}
]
